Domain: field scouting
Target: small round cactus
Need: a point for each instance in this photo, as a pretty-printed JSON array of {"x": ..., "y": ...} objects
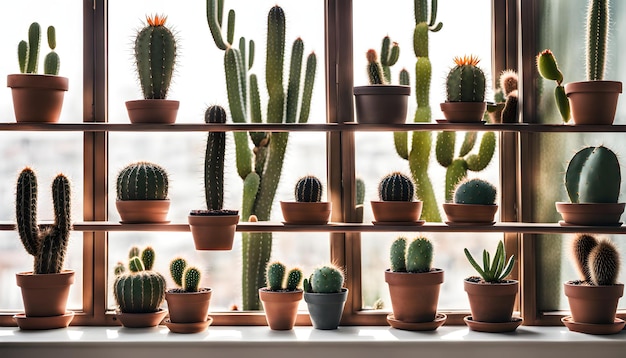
[
  {"x": 142, "y": 181},
  {"x": 308, "y": 189},
  {"x": 326, "y": 279},
  {"x": 396, "y": 187},
  {"x": 466, "y": 81},
  {"x": 139, "y": 290},
  {"x": 475, "y": 191}
]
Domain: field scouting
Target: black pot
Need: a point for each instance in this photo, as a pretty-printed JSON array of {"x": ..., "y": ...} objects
[{"x": 325, "y": 309}]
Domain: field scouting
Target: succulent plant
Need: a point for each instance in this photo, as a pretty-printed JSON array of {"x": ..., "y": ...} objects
[
  {"x": 389, "y": 54},
  {"x": 48, "y": 246},
  {"x": 374, "y": 68},
  {"x": 276, "y": 276},
  {"x": 493, "y": 271},
  {"x": 597, "y": 35},
  {"x": 142, "y": 181},
  {"x": 475, "y": 191},
  {"x": 396, "y": 187},
  {"x": 324, "y": 279},
  {"x": 418, "y": 257},
  {"x": 593, "y": 176},
  {"x": 214, "y": 160},
  {"x": 28, "y": 51},
  {"x": 139, "y": 290},
  {"x": 186, "y": 277},
  {"x": 506, "y": 97},
  {"x": 465, "y": 81},
  {"x": 397, "y": 255},
  {"x": 308, "y": 189},
  {"x": 597, "y": 261},
  {"x": 549, "y": 69},
  {"x": 360, "y": 191}
]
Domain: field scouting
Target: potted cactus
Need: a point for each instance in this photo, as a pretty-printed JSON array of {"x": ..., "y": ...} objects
[
  {"x": 139, "y": 292},
  {"x": 593, "y": 298},
  {"x": 280, "y": 299},
  {"x": 155, "y": 57},
  {"x": 465, "y": 91},
  {"x": 396, "y": 205},
  {"x": 142, "y": 193},
  {"x": 491, "y": 295},
  {"x": 188, "y": 304},
  {"x": 45, "y": 289},
  {"x": 36, "y": 97},
  {"x": 325, "y": 296},
  {"x": 474, "y": 203},
  {"x": 504, "y": 110},
  {"x": 308, "y": 209},
  {"x": 214, "y": 228},
  {"x": 410, "y": 276},
  {"x": 592, "y": 181}
]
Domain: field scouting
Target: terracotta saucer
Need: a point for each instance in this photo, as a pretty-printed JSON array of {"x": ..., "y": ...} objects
[
  {"x": 492, "y": 327},
  {"x": 423, "y": 326},
  {"x": 563, "y": 223},
  {"x": 194, "y": 327},
  {"x": 399, "y": 223},
  {"x": 591, "y": 328},
  {"x": 141, "y": 320},
  {"x": 461, "y": 223},
  {"x": 51, "y": 322}
]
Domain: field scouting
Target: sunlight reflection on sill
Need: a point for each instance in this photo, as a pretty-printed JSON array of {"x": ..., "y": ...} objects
[
  {"x": 232, "y": 334},
  {"x": 378, "y": 334},
  {"x": 112, "y": 334},
  {"x": 457, "y": 334},
  {"x": 7, "y": 333},
  {"x": 74, "y": 335}
]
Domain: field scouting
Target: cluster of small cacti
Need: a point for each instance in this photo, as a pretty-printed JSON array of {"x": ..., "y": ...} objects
[
  {"x": 28, "y": 51},
  {"x": 140, "y": 290},
  {"x": 325, "y": 279},
  {"x": 548, "y": 69},
  {"x": 184, "y": 276},
  {"x": 155, "y": 57},
  {"x": 418, "y": 257},
  {"x": 465, "y": 81},
  {"x": 597, "y": 261},
  {"x": 475, "y": 191},
  {"x": 495, "y": 270},
  {"x": 308, "y": 190},
  {"x": 396, "y": 187},
  {"x": 142, "y": 181},
  {"x": 214, "y": 160},
  {"x": 276, "y": 277},
  {"x": 593, "y": 176},
  {"x": 48, "y": 246}
]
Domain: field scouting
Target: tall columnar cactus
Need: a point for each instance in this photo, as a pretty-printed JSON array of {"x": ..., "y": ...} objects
[
  {"x": 396, "y": 187},
  {"x": 139, "y": 290},
  {"x": 214, "y": 160},
  {"x": 418, "y": 257},
  {"x": 276, "y": 277},
  {"x": 597, "y": 261},
  {"x": 28, "y": 51},
  {"x": 48, "y": 246},
  {"x": 260, "y": 168},
  {"x": 142, "y": 181},
  {"x": 375, "y": 73},
  {"x": 308, "y": 190},
  {"x": 597, "y": 38},
  {"x": 476, "y": 192},
  {"x": 155, "y": 57},
  {"x": 186, "y": 277},
  {"x": 389, "y": 54},
  {"x": 325, "y": 279},
  {"x": 549, "y": 69},
  {"x": 417, "y": 149},
  {"x": 593, "y": 176}
]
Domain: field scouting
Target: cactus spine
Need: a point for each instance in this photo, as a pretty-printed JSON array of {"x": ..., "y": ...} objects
[
  {"x": 308, "y": 190},
  {"x": 593, "y": 176},
  {"x": 260, "y": 168},
  {"x": 475, "y": 191},
  {"x": 417, "y": 258},
  {"x": 597, "y": 38},
  {"x": 325, "y": 279},
  {"x": 142, "y": 181},
  {"x": 465, "y": 81},
  {"x": 549, "y": 69},
  {"x": 28, "y": 51},
  {"x": 186, "y": 277},
  {"x": 396, "y": 187},
  {"x": 140, "y": 290},
  {"x": 276, "y": 276},
  {"x": 48, "y": 246},
  {"x": 597, "y": 261}
]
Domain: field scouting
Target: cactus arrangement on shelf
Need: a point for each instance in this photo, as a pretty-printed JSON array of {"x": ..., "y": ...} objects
[
  {"x": 187, "y": 278},
  {"x": 593, "y": 176},
  {"x": 416, "y": 258},
  {"x": 276, "y": 277},
  {"x": 308, "y": 190},
  {"x": 140, "y": 290},
  {"x": 142, "y": 181},
  {"x": 549, "y": 69},
  {"x": 48, "y": 245},
  {"x": 396, "y": 187},
  {"x": 475, "y": 192},
  {"x": 496, "y": 270},
  {"x": 324, "y": 279},
  {"x": 597, "y": 261},
  {"x": 28, "y": 51}
]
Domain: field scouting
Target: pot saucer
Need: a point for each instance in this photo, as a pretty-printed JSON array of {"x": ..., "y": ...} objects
[
  {"x": 136, "y": 222},
  {"x": 590, "y": 328},
  {"x": 462, "y": 223},
  {"x": 399, "y": 223},
  {"x": 440, "y": 319},
  {"x": 194, "y": 327},
  {"x": 563, "y": 223},
  {"x": 492, "y": 327},
  {"x": 50, "y": 322},
  {"x": 141, "y": 320}
]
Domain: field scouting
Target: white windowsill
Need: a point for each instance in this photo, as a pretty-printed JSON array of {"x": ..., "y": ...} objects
[{"x": 385, "y": 342}]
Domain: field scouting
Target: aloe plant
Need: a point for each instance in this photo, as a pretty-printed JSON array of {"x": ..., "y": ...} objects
[{"x": 493, "y": 271}]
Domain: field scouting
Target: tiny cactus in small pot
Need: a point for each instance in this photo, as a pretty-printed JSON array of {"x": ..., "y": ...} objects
[
  {"x": 308, "y": 209},
  {"x": 474, "y": 203},
  {"x": 281, "y": 296},
  {"x": 325, "y": 296},
  {"x": 465, "y": 91},
  {"x": 142, "y": 189},
  {"x": 506, "y": 98},
  {"x": 188, "y": 303},
  {"x": 396, "y": 205}
]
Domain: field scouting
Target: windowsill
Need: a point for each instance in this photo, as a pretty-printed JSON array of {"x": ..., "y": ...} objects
[{"x": 358, "y": 341}]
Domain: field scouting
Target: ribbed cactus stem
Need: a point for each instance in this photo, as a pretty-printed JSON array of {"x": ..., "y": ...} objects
[
  {"x": 419, "y": 256},
  {"x": 389, "y": 54},
  {"x": 604, "y": 263},
  {"x": 142, "y": 181},
  {"x": 308, "y": 189},
  {"x": 397, "y": 255},
  {"x": 177, "y": 267},
  {"x": 396, "y": 187},
  {"x": 26, "y": 211},
  {"x": 597, "y": 38},
  {"x": 465, "y": 81},
  {"x": 214, "y": 160},
  {"x": 327, "y": 279},
  {"x": 139, "y": 292},
  {"x": 135, "y": 264},
  {"x": 275, "y": 276},
  {"x": 581, "y": 248},
  {"x": 192, "y": 279},
  {"x": 34, "y": 40},
  {"x": 52, "y": 61}
]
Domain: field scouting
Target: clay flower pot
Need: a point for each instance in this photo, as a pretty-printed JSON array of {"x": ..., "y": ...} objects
[
  {"x": 414, "y": 296},
  {"x": 491, "y": 302},
  {"x": 593, "y": 304},
  {"x": 37, "y": 98},
  {"x": 143, "y": 211},
  {"x": 141, "y": 320},
  {"x": 593, "y": 102},
  {"x": 397, "y": 211},
  {"x": 213, "y": 232},
  {"x": 325, "y": 309},
  {"x": 463, "y": 112},
  {"x": 188, "y": 307},
  {"x": 381, "y": 104},
  {"x": 315, "y": 213},
  {"x": 162, "y": 111},
  {"x": 590, "y": 214},
  {"x": 281, "y": 308},
  {"x": 470, "y": 213},
  {"x": 45, "y": 295}
]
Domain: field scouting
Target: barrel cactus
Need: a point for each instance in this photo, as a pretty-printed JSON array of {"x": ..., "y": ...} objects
[
  {"x": 325, "y": 279},
  {"x": 466, "y": 81},
  {"x": 593, "y": 176},
  {"x": 139, "y": 290},
  {"x": 276, "y": 277},
  {"x": 418, "y": 257},
  {"x": 396, "y": 187},
  {"x": 597, "y": 261},
  {"x": 186, "y": 277},
  {"x": 475, "y": 191},
  {"x": 142, "y": 181},
  {"x": 308, "y": 189},
  {"x": 28, "y": 51}
]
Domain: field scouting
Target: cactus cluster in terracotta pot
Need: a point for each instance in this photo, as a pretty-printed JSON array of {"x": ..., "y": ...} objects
[{"x": 281, "y": 296}]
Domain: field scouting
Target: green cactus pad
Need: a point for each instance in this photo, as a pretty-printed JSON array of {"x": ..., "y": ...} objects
[
  {"x": 419, "y": 255},
  {"x": 192, "y": 277},
  {"x": 593, "y": 176},
  {"x": 397, "y": 255},
  {"x": 177, "y": 267}
]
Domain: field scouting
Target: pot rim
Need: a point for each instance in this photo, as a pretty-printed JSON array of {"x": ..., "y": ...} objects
[
  {"x": 382, "y": 90},
  {"x": 594, "y": 86},
  {"x": 37, "y": 81}
]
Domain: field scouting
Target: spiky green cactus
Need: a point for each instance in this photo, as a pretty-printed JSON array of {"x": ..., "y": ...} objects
[
  {"x": 397, "y": 255},
  {"x": 325, "y": 279},
  {"x": 475, "y": 191},
  {"x": 389, "y": 54},
  {"x": 48, "y": 246},
  {"x": 147, "y": 257},
  {"x": 28, "y": 51},
  {"x": 177, "y": 267},
  {"x": 276, "y": 276},
  {"x": 186, "y": 277},
  {"x": 593, "y": 176},
  {"x": 192, "y": 279},
  {"x": 142, "y": 181},
  {"x": 374, "y": 69},
  {"x": 308, "y": 189},
  {"x": 155, "y": 57},
  {"x": 140, "y": 290},
  {"x": 548, "y": 69},
  {"x": 396, "y": 187},
  {"x": 419, "y": 255},
  {"x": 214, "y": 160},
  {"x": 294, "y": 277},
  {"x": 465, "y": 81},
  {"x": 597, "y": 261},
  {"x": 597, "y": 38},
  {"x": 260, "y": 168},
  {"x": 581, "y": 248}
]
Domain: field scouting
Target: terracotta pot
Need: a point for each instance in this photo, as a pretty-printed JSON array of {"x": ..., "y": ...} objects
[
  {"x": 463, "y": 112},
  {"x": 216, "y": 232},
  {"x": 491, "y": 302},
  {"x": 37, "y": 98},
  {"x": 414, "y": 296},
  {"x": 397, "y": 211},
  {"x": 494, "y": 110},
  {"x": 161, "y": 111},
  {"x": 188, "y": 307},
  {"x": 306, "y": 213},
  {"x": 141, "y": 320},
  {"x": 591, "y": 214},
  {"x": 325, "y": 309},
  {"x": 281, "y": 308},
  {"x": 381, "y": 104},
  {"x": 593, "y": 304},
  {"x": 593, "y": 102},
  {"x": 45, "y": 294},
  {"x": 470, "y": 213},
  {"x": 143, "y": 211}
]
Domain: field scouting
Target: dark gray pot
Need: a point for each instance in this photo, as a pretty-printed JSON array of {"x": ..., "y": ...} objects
[{"x": 325, "y": 308}]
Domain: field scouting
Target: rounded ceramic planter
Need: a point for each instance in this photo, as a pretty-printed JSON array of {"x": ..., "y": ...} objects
[
  {"x": 141, "y": 320},
  {"x": 281, "y": 308},
  {"x": 470, "y": 213},
  {"x": 397, "y": 211},
  {"x": 593, "y": 102},
  {"x": 143, "y": 211},
  {"x": 213, "y": 232},
  {"x": 593, "y": 304},
  {"x": 37, "y": 98},
  {"x": 591, "y": 214},
  {"x": 406, "y": 287},
  {"x": 491, "y": 302},
  {"x": 188, "y": 307},
  {"x": 305, "y": 213},
  {"x": 45, "y": 295},
  {"x": 463, "y": 112},
  {"x": 325, "y": 309},
  {"x": 161, "y": 111},
  {"x": 381, "y": 104}
]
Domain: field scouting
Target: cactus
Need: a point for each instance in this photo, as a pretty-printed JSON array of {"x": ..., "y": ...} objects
[
  {"x": 186, "y": 277},
  {"x": 276, "y": 276},
  {"x": 374, "y": 69},
  {"x": 475, "y": 191},
  {"x": 389, "y": 54},
  {"x": 28, "y": 51},
  {"x": 155, "y": 57},
  {"x": 549, "y": 69},
  {"x": 581, "y": 248},
  {"x": 140, "y": 290},
  {"x": 325, "y": 279},
  {"x": 397, "y": 255},
  {"x": 308, "y": 190},
  {"x": 214, "y": 160},
  {"x": 597, "y": 261},
  {"x": 493, "y": 271},
  {"x": 360, "y": 191},
  {"x": 506, "y": 98},
  {"x": 593, "y": 176},
  {"x": 48, "y": 246},
  {"x": 294, "y": 277},
  {"x": 465, "y": 81},
  {"x": 419, "y": 255},
  {"x": 597, "y": 38},
  {"x": 396, "y": 187},
  {"x": 261, "y": 168},
  {"x": 177, "y": 267},
  {"x": 142, "y": 181}
]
